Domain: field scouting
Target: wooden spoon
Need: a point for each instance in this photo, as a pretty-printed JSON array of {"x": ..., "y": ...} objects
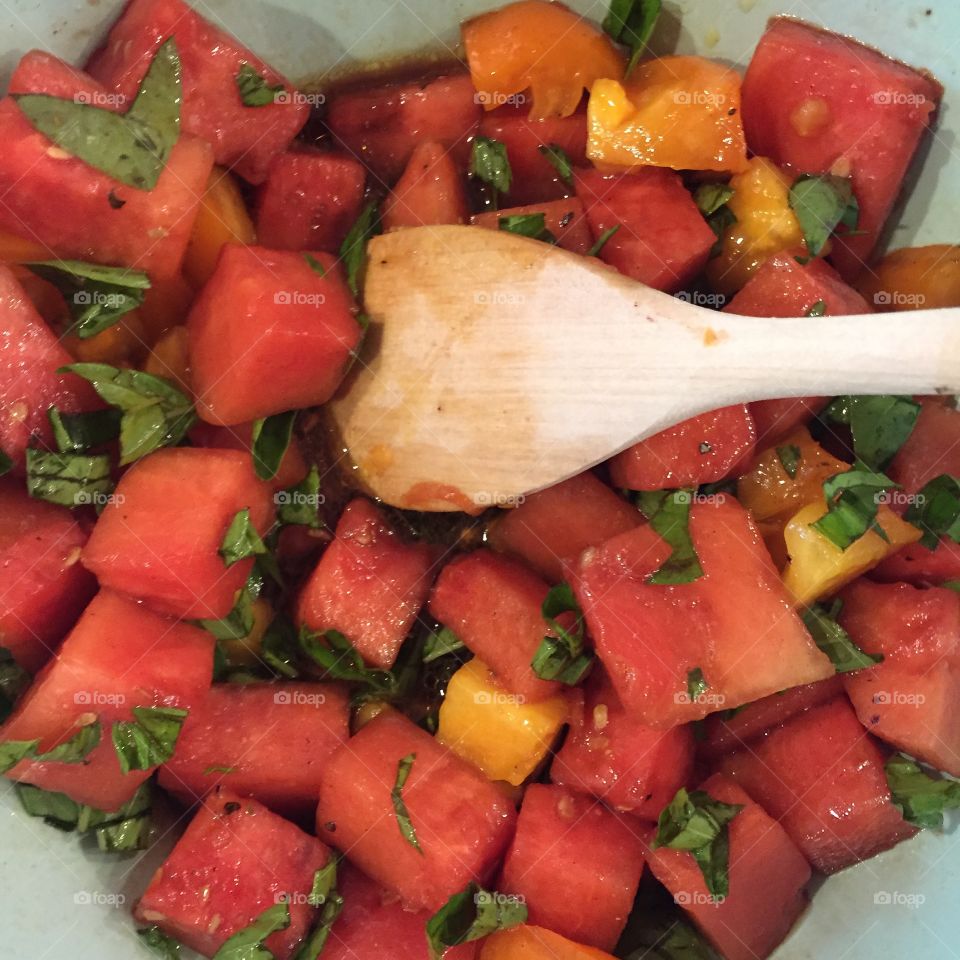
[{"x": 500, "y": 365}]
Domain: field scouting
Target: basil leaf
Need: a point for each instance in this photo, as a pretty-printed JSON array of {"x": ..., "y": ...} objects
[
  {"x": 532, "y": 225},
  {"x": 669, "y": 514},
  {"x": 238, "y": 623},
  {"x": 74, "y": 750},
  {"x": 253, "y": 88},
  {"x": 471, "y": 915},
  {"x": 241, "y": 540},
  {"x": 818, "y": 309},
  {"x": 6, "y": 464},
  {"x": 399, "y": 807},
  {"x": 601, "y": 241},
  {"x": 489, "y": 162},
  {"x": 697, "y": 823},
  {"x": 559, "y": 160},
  {"x": 149, "y": 739},
  {"x": 56, "y": 809},
  {"x": 697, "y": 686},
  {"x": 665, "y": 937},
  {"x": 821, "y": 203},
  {"x": 353, "y": 250},
  {"x": 279, "y": 648},
  {"x": 133, "y": 147},
  {"x": 14, "y": 680},
  {"x": 315, "y": 265},
  {"x": 853, "y": 500},
  {"x": 834, "y": 641},
  {"x": 269, "y": 441},
  {"x": 790, "y": 457},
  {"x": 155, "y": 413},
  {"x": 68, "y": 479},
  {"x": 326, "y": 896},
  {"x": 300, "y": 504},
  {"x": 160, "y": 943},
  {"x": 80, "y": 432},
  {"x": 439, "y": 643},
  {"x": 13, "y": 751},
  {"x": 880, "y": 425},
  {"x": 560, "y": 655},
  {"x": 920, "y": 798},
  {"x": 248, "y": 943},
  {"x": 338, "y": 658},
  {"x": 710, "y": 197},
  {"x": 631, "y": 22},
  {"x": 936, "y": 511}
]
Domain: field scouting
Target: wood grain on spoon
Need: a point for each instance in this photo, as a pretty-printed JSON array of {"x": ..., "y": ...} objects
[{"x": 501, "y": 365}]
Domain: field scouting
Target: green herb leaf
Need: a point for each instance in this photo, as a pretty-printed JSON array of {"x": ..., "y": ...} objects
[
  {"x": 56, "y": 809},
  {"x": 269, "y": 442},
  {"x": 669, "y": 514},
  {"x": 790, "y": 457},
  {"x": 818, "y": 309},
  {"x": 921, "y": 799},
  {"x": 561, "y": 655},
  {"x": 697, "y": 686},
  {"x": 6, "y": 464},
  {"x": 253, "y": 88},
  {"x": 710, "y": 197},
  {"x": 559, "y": 160},
  {"x": 324, "y": 895},
  {"x": 241, "y": 540},
  {"x": 632, "y": 22},
  {"x": 697, "y": 823},
  {"x": 69, "y": 479},
  {"x": 668, "y": 938},
  {"x": 338, "y": 658},
  {"x": 315, "y": 265},
  {"x": 879, "y": 425},
  {"x": 601, "y": 241},
  {"x": 532, "y": 225},
  {"x": 489, "y": 162},
  {"x": 439, "y": 643},
  {"x": 853, "y": 500},
  {"x": 821, "y": 204},
  {"x": 834, "y": 641},
  {"x": 279, "y": 648},
  {"x": 936, "y": 511},
  {"x": 13, "y": 751},
  {"x": 238, "y": 623},
  {"x": 300, "y": 504},
  {"x": 471, "y": 915},
  {"x": 149, "y": 739},
  {"x": 14, "y": 680},
  {"x": 353, "y": 250},
  {"x": 74, "y": 750},
  {"x": 81, "y": 432},
  {"x": 399, "y": 807},
  {"x": 248, "y": 943},
  {"x": 154, "y": 938}
]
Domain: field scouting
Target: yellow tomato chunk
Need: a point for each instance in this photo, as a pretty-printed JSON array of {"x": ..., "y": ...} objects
[
  {"x": 915, "y": 278},
  {"x": 536, "y": 943},
  {"x": 170, "y": 358}
]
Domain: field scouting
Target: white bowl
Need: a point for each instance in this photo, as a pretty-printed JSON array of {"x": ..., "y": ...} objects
[{"x": 59, "y": 898}]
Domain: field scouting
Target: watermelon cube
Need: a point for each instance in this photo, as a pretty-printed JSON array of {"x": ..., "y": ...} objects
[
  {"x": 235, "y": 861},
  {"x": 822, "y": 776},
  {"x": 159, "y": 538},
  {"x": 118, "y": 656},
  {"x": 309, "y": 201},
  {"x": 460, "y": 820},
  {"x": 662, "y": 240},
  {"x": 431, "y": 191},
  {"x": 369, "y": 584},
  {"x": 767, "y": 874},
  {"x": 735, "y": 623},
  {"x": 920, "y": 565},
  {"x": 599, "y": 854},
  {"x": 774, "y": 419},
  {"x": 244, "y": 138},
  {"x": 493, "y": 604},
  {"x": 703, "y": 449},
  {"x": 269, "y": 318},
  {"x": 821, "y": 103}
]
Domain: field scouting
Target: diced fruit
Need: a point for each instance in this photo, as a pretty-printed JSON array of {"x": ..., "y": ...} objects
[
  {"x": 932, "y": 448},
  {"x": 244, "y": 138},
  {"x": 912, "y": 698},
  {"x": 159, "y": 537},
  {"x": 169, "y": 358},
  {"x": 614, "y": 756},
  {"x": 309, "y": 201},
  {"x": 493, "y": 729},
  {"x": 818, "y": 568},
  {"x": 540, "y": 47},
  {"x": 662, "y": 240},
  {"x": 461, "y": 821},
  {"x": 48, "y": 301},
  {"x": 16, "y": 249},
  {"x": 493, "y": 604},
  {"x": 914, "y": 278},
  {"x": 820, "y": 103},
  {"x": 42, "y": 72},
  {"x": 121, "y": 345},
  {"x": 431, "y": 191},
  {"x": 45, "y": 587},
  {"x": 382, "y": 125},
  {"x": 165, "y": 305},
  {"x": 236, "y": 860},
  {"x": 679, "y": 112},
  {"x": 563, "y": 218},
  {"x": 268, "y": 318},
  {"x": 118, "y": 656},
  {"x": 822, "y": 777},
  {"x": 598, "y": 853},
  {"x": 767, "y": 879},
  {"x": 915, "y": 563},
  {"x": 559, "y": 523},
  {"x": 528, "y": 942},
  {"x": 734, "y": 623},
  {"x": 703, "y": 449},
  {"x": 774, "y": 419}
]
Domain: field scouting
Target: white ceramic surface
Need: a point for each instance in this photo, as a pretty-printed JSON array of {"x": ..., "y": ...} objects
[{"x": 60, "y": 899}]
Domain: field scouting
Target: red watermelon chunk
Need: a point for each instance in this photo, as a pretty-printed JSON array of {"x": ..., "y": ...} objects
[
  {"x": 431, "y": 191},
  {"x": 244, "y": 138},
  {"x": 563, "y": 218},
  {"x": 735, "y": 623},
  {"x": 819, "y": 103},
  {"x": 821, "y": 775},
  {"x": 767, "y": 879},
  {"x": 493, "y": 604},
  {"x": 269, "y": 741},
  {"x": 118, "y": 656},
  {"x": 159, "y": 538},
  {"x": 42, "y": 72},
  {"x": 44, "y": 586},
  {"x": 912, "y": 698},
  {"x": 369, "y": 584},
  {"x": 236, "y": 860},
  {"x": 662, "y": 240},
  {"x": 268, "y": 334},
  {"x": 309, "y": 201},
  {"x": 774, "y": 419},
  {"x": 462, "y": 822},
  {"x": 918, "y": 564},
  {"x": 382, "y": 125},
  {"x": 598, "y": 853},
  {"x": 703, "y": 449}
]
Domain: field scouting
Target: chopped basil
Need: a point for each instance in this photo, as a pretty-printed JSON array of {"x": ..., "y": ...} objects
[
  {"x": 489, "y": 162},
  {"x": 697, "y": 686},
  {"x": 818, "y": 309},
  {"x": 880, "y": 425},
  {"x": 253, "y": 87},
  {"x": 300, "y": 504},
  {"x": 338, "y": 658},
  {"x": 920, "y": 798},
  {"x": 669, "y": 514},
  {"x": 14, "y": 680},
  {"x": 353, "y": 250},
  {"x": 399, "y": 807},
  {"x": 241, "y": 540},
  {"x": 834, "y": 641},
  {"x": 238, "y": 623},
  {"x": 248, "y": 943},
  {"x": 269, "y": 441},
  {"x": 471, "y": 915},
  {"x": 710, "y": 197},
  {"x": 149, "y": 739},
  {"x": 561, "y": 655},
  {"x": 13, "y": 751},
  {"x": 559, "y": 160},
  {"x": 154, "y": 938},
  {"x": 668, "y": 938},
  {"x": 56, "y": 809},
  {"x": 439, "y": 643},
  {"x": 279, "y": 648},
  {"x": 936, "y": 511},
  {"x": 80, "y": 432},
  {"x": 532, "y": 225},
  {"x": 697, "y": 823},
  {"x": 821, "y": 204},
  {"x": 601, "y": 241},
  {"x": 631, "y": 22},
  {"x": 324, "y": 895},
  {"x": 6, "y": 464},
  {"x": 131, "y": 147},
  {"x": 68, "y": 479},
  {"x": 853, "y": 500},
  {"x": 74, "y": 750},
  {"x": 790, "y": 457},
  {"x": 155, "y": 413},
  {"x": 315, "y": 265},
  {"x": 210, "y": 771}
]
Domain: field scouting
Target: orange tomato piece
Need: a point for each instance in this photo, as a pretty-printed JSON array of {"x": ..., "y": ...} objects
[
  {"x": 121, "y": 345},
  {"x": 528, "y": 942},
  {"x": 43, "y": 295},
  {"x": 166, "y": 305},
  {"x": 14, "y": 249},
  {"x": 170, "y": 359},
  {"x": 540, "y": 47},
  {"x": 914, "y": 278}
]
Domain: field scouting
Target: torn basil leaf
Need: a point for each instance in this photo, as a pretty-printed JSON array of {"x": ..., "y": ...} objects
[
  {"x": 6, "y": 464},
  {"x": 165, "y": 947},
  {"x": 920, "y": 798},
  {"x": 241, "y": 540},
  {"x": 73, "y": 750},
  {"x": 818, "y": 309},
  {"x": 936, "y": 511},
  {"x": 339, "y": 660},
  {"x": 697, "y": 686},
  {"x": 532, "y": 225},
  {"x": 253, "y": 87},
  {"x": 14, "y": 680},
  {"x": 631, "y": 22},
  {"x": 149, "y": 739},
  {"x": 834, "y": 641},
  {"x": 315, "y": 265},
  {"x": 80, "y": 432},
  {"x": 247, "y": 944},
  {"x": 561, "y": 655},
  {"x": 559, "y": 160},
  {"x": 353, "y": 250},
  {"x": 399, "y": 807},
  {"x": 879, "y": 425},
  {"x": 69, "y": 479},
  {"x": 13, "y": 751},
  {"x": 471, "y": 915},
  {"x": 300, "y": 504},
  {"x": 710, "y": 197},
  {"x": 489, "y": 163},
  {"x": 238, "y": 623},
  {"x": 821, "y": 203},
  {"x": 279, "y": 648},
  {"x": 602, "y": 240},
  {"x": 790, "y": 456},
  {"x": 439, "y": 643},
  {"x": 853, "y": 500},
  {"x": 324, "y": 895},
  {"x": 669, "y": 514},
  {"x": 270, "y": 438}
]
